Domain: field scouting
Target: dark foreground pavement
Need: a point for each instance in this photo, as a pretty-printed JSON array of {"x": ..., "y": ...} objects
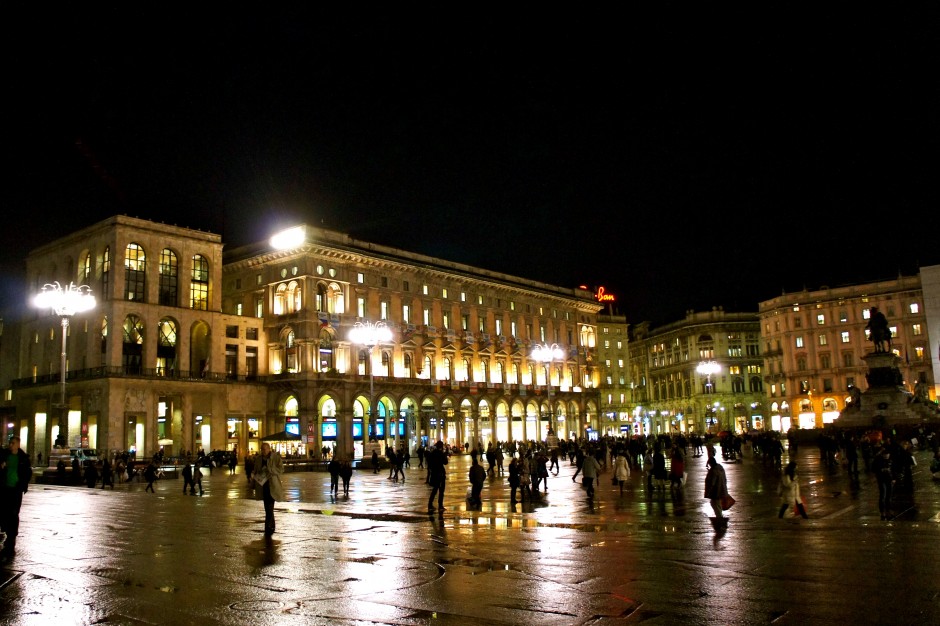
[{"x": 88, "y": 556}]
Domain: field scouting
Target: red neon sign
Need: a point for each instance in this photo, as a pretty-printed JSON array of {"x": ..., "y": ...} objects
[{"x": 603, "y": 296}]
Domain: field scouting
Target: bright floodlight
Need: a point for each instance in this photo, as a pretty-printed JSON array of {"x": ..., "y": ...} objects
[
  {"x": 290, "y": 238},
  {"x": 547, "y": 353},
  {"x": 65, "y": 301},
  {"x": 708, "y": 368},
  {"x": 370, "y": 334}
]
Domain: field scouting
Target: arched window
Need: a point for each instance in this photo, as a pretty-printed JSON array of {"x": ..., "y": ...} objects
[
  {"x": 428, "y": 372},
  {"x": 406, "y": 364},
  {"x": 280, "y": 299},
  {"x": 133, "y": 348},
  {"x": 86, "y": 267},
  {"x": 166, "y": 347},
  {"x": 363, "y": 363},
  {"x": 135, "y": 273},
  {"x": 386, "y": 362},
  {"x": 169, "y": 278},
  {"x": 448, "y": 368},
  {"x": 466, "y": 369},
  {"x": 291, "y": 407},
  {"x": 291, "y": 353},
  {"x": 105, "y": 272},
  {"x": 296, "y": 301}
]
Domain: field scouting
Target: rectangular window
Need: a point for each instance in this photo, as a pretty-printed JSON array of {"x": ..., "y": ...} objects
[
  {"x": 915, "y": 308},
  {"x": 463, "y": 296},
  {"x": 512, "y": 329},
  {"x": 360, "y": 278},
  {"x": 406, "y": 313},
  {"x": 499, "y": 326},
  {"x": 384, "y": 281},
  {"x": 231, "y": 361},
  {"x": 231, "y": 332},
  {"x": 251, "y": 360},
  {"x": 820, "y": 319},
  {"x": 480, "y": 300},
  {"x": 827, "y": 385},
  {"x": 843, "y": 317},
  {"x": 252, "y": 334},
  {"x": 446, "y": 319},
  {"x": 258, "y": 279},
  {"x": 823, "y": 340},
  {"x": 424, "y": 289},
  {"x": 404, "y": 285},
  {"x": 844, "y": 335},
  {"x": 916, "y": 329},
  {"x": 847, "y": 359},
  {"x": 465, "y": 321},
  {"x": 444, "y": 293},
  {"x": 238, "y": 309},
  {"x": 383, "y": 310},
  {"x": 426, "y": 316},
  {"x": 799, "y": 342},
  {"x": 361, "y": 307},
  {"x": 259, "y": 307},
  {"x": 797, "y": 322}
]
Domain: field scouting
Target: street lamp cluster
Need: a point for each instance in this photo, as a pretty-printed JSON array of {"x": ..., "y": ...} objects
[
  {"x": 547, "y": 354},
  {"x": 66, "y": 301},
  {"x": 370, "y": 335}
]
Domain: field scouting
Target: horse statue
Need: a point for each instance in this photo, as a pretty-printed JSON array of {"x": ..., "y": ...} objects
[{"x": 878, "y": 331}]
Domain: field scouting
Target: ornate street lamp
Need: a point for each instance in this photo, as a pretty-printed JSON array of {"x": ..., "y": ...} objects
[
  {"x": 707, "y": 369},
  {"x": 547, "y": 354},
  {"x": 66, "y": 301},
  {"x": 370, "y": 335}
]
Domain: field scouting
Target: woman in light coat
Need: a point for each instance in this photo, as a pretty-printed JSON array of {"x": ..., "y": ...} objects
[
  {"x": 621, "y": 470},
  {"x": 266, "y": 475},
  {"x": 790, "y": 491}
]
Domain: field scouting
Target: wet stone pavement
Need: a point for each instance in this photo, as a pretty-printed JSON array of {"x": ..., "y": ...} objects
[{"x": 124, "y": 556}]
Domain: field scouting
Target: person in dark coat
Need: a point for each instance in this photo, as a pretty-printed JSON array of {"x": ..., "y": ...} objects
[
  {"x": 437, "y": 475},
  {"x": 188, "y": 479},
  {"x": 91, "y": 475},
  {"x": 15, "y": 474},
  {"x": 477, "y": 477},
  {"x": 345, "y": 473},
  {"x": 150, "y": 475},
  {"x": 375, "y": 461},
  {"x": 197, "y": 480},
  {"x": 107, "y": 474},
  {"x": 333, "y": 468}
]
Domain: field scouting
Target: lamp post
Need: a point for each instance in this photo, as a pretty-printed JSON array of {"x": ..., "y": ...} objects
[
  {"x": 547, "y": 353},
  {"x": 707, "y": 368},
  {"x": 66, "y": 301},
  {"x": 370, "y": 335}
]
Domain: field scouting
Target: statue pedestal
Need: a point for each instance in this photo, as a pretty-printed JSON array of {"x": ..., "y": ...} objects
[{"x": 885, "y": 403}]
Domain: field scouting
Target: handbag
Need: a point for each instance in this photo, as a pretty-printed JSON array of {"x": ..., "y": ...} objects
[{"x": 727, "y": 502}]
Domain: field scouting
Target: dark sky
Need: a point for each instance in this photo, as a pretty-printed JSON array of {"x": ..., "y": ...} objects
[{"x": 682, "y": 159}]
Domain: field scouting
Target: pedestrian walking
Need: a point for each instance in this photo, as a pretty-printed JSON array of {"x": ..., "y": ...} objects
[
  {"x": 333, "y": 468},
  {"x": 884, "y": 474},
  {"x": 677, "y": 468},
  {"x": 590, "y": 469},
  {"x": 716, "y": 486},
  {"x": 375, "y": 461},
  {"x": 345, "y": 474},
  {"x": 91, "y": 474},
  {"x": 477, "y": 476},
  {"x": 554, "y": 461},
  {"x": 514, "y": 479},
  {"x": 437, "y": 475},
  {"x": 266, "y": 475},
  {"x": 499, "y": 459},
  {"x": 621, "y": 470},
  {"x": 789, "y": 491},
  {"x": 197, "y": 479},
  {"x": 232, "y": 462},
  {"x": 15, "y": 474},
  {"x": 421, "y": 453},
  {"x": 107, "y": 474},
  {"x": 188, "y": 479},
  {"x": 150, "y": 475}
]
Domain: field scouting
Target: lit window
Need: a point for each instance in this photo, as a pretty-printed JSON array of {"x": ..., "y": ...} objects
[{"x": 844, "y": 336}]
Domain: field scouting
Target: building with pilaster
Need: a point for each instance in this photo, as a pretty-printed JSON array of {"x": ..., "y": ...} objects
[
  {"x": 674, "y": 392},
  {"x": 186, "y": 349},
  {"x": 813, "y": 343}
]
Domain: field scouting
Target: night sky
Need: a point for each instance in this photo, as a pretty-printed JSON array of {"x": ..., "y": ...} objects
[{"x": 684, "y": 160}]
